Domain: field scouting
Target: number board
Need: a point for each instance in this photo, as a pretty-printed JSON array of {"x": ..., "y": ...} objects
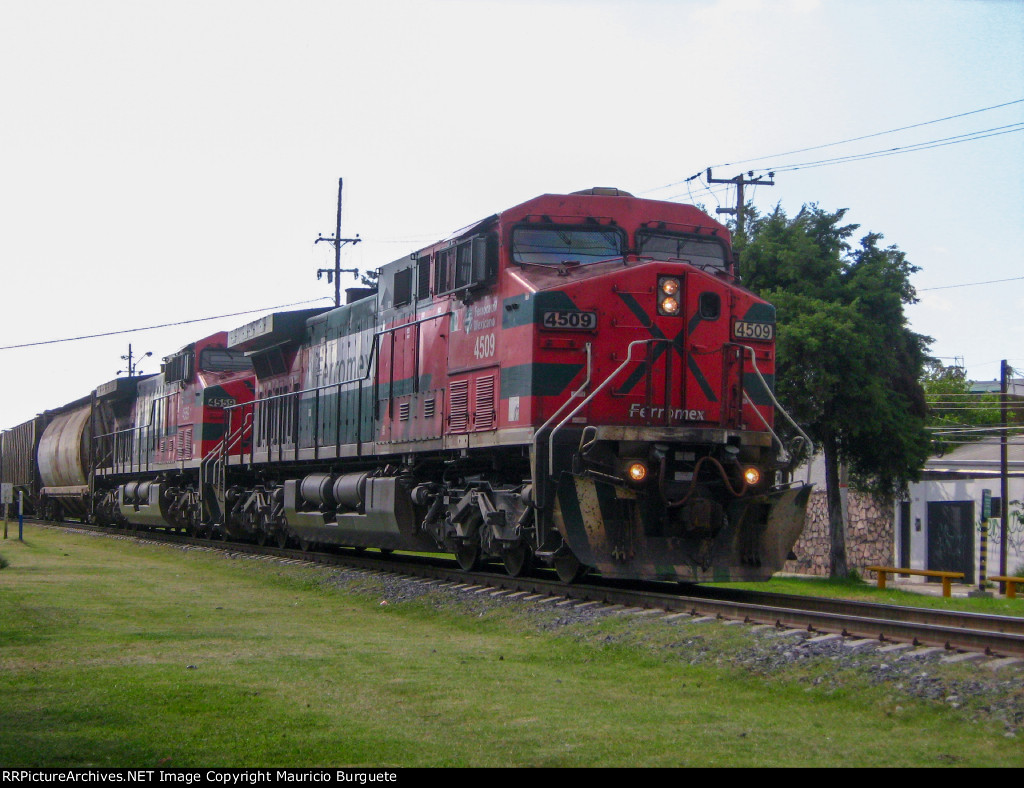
[
  {"x": 742, "y": 329},
  {"x": 569, "y": 320}
]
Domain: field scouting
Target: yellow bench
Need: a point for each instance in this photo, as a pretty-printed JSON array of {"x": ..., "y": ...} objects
[
  {"x": 947, "y": 577},
  {"x": 1011, "y": 584}
]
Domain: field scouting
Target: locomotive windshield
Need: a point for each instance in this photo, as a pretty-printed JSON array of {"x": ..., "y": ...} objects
[
  {"x": 669, "y": 246},
  {"x": 556, "y": 245},
  {"x": 221, "y": 360}
]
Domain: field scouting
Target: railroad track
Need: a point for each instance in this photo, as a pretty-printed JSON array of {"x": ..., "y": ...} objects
[{"x": 996, "y": 636}]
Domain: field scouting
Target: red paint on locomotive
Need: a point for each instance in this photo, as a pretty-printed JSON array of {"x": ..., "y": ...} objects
[{"x": 579, "y": 380}]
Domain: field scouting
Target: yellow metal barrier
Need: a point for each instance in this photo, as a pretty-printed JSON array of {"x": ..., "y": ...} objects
[
  {"x": 947, "y": 577},
  {"x": 1011, "y": 584}
]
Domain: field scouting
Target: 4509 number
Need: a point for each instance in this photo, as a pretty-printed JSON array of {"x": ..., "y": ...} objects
[
  {"x": 570, "y": 319},
  {"x": 484, "y": 346},
  {"x": 745, "y": 330}
]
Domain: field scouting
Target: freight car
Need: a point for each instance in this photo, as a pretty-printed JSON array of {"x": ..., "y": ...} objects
[{"x": 578, "y": 381}]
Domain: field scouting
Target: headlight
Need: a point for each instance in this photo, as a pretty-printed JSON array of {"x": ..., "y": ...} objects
[
  {"x": 637, "y": 472},
  {"x": 752, "y": 476},
  {"x": 668, "y": 290}
]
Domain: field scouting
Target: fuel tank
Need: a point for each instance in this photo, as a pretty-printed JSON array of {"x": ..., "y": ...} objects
[{"x": 63, "y": 454}]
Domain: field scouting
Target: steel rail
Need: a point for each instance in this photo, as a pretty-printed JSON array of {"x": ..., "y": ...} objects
[
  {"x": 949, "y": 618},
  {"x": 951, "y": 630}
]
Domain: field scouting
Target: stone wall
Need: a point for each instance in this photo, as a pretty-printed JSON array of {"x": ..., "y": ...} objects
[{"x": 869, "y": 535}]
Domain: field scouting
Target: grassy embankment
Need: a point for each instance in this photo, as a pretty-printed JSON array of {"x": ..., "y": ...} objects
[{"x": 114, "y": 653}]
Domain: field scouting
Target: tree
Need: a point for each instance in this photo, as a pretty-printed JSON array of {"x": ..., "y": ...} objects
[
  {"x": 848, "y": 366},
  {"x": 956, "y": 415},
  {"x": 369, "y": 277}
]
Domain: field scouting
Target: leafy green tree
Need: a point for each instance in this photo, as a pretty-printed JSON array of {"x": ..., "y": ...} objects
[
  {"x": 956, "y": 415},
  {"x": 368, "y": 278},
  {"x": 848, "y": 366}
]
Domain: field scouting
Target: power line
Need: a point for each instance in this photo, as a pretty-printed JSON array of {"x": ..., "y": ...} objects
[
  {"x": 844, "y": 142},
  {"x": 971, "y": 284},
  {"x": 869, "y": 136},
  {"x": 939, "y": 143},
  {"x": 162, "y": 325}
]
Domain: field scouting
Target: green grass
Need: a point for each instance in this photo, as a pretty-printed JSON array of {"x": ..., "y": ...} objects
[{"x": 115, "y": 653}]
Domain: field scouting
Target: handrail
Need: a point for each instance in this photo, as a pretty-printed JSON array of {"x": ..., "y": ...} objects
[
  {"x": 775, "y": 402},
  {"x": 227, "y": 443},
  {"x": 621, "y": 367},
  {"x": 595, "y": 392},
  {"x": 374, "y": 352},
  {"x": 134, "y": 448},
  {"x": 588, "y": 349},
  {"x": 365, "y": 376}
]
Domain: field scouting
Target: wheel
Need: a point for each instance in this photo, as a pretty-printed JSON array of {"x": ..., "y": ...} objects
[
  {"x": 252, "y": 527},
  {"x": 306, "y": 545},
  {"x": 568, "y": 567},
  {"x": 262, "y": 537},
  {"x": 468, "y": 557},
  {"x": 518, "y": 560}
]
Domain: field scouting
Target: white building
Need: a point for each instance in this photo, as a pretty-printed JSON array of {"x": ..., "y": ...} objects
[{"x": 939, "y": 527}]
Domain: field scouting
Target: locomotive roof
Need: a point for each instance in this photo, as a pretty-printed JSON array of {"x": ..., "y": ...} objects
[
  {"x": 586, "y": 203},
  {"x": 579, "y": 205}
]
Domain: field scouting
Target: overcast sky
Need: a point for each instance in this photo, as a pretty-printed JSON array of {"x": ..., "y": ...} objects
[{"x": 169, "y": 161}]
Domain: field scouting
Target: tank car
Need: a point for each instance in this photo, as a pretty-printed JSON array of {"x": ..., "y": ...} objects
[{"x": 578, "y": 380}]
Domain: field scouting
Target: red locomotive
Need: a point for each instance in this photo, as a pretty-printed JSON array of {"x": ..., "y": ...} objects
[{"x": 578, "y": 380}]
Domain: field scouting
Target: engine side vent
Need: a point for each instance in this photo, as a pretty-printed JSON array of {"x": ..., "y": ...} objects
[
  {"x": 485, "y": 416},
  {"x": 185, "y": 443},
  {"x": 458, "y": 412}
]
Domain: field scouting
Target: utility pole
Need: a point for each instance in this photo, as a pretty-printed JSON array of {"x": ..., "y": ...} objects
[
  {"x": 132, "y": 364},
  {"x": 338, "y": 242},
  {"x": 1003, "y": 471},
  {"x": 740, "y": 183}
]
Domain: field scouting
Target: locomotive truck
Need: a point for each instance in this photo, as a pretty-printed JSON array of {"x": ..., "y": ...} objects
[{"x": 579, "y": 381}]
